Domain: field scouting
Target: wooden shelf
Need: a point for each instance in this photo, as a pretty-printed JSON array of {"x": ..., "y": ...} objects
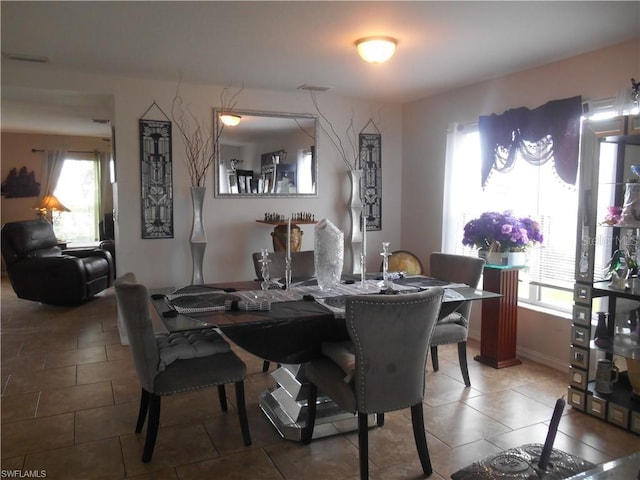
[{"x": 293, "y": 222}]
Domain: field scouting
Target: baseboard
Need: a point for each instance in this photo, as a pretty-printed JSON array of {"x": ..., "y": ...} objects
[{"x": 533, "y": 355}]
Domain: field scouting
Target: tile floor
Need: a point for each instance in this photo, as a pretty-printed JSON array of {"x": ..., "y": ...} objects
[{"x": 70, "y": 398}]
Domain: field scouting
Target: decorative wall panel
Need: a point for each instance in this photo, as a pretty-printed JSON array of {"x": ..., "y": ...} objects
[
  {"x": 156, "y": 179},
  {"x": 370, "y": 161}
]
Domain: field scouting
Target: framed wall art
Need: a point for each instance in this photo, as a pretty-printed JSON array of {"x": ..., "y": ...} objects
[
  {"x": 370, "y": 161},
  {"x": 156, "y": 178}
]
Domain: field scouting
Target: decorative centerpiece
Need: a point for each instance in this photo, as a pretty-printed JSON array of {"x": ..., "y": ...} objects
[
  {"x": 502, "y": 238},
  {"x": 328, "y": 254}
]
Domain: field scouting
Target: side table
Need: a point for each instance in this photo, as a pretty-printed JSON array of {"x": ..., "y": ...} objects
[{"x": 499, "y": 317}]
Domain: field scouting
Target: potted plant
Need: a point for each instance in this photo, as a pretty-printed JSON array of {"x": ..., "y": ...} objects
[{"x": 501, "y": 237}]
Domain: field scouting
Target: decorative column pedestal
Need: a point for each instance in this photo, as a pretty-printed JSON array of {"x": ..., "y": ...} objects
[{"x": 499, "y": 318}]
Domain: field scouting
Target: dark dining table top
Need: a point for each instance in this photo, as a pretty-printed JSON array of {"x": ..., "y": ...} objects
[{"x": 289, "y": 331}]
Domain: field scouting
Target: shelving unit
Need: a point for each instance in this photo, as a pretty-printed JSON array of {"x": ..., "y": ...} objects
[{"x": 608, "y": 150}]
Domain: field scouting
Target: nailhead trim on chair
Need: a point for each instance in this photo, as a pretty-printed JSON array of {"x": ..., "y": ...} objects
[
  {"x": 200, "y": 387},
  {"x": 357, "y": 345}
]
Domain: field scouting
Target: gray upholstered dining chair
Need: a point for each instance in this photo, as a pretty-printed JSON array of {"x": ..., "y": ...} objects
[
  {"x": 454, "y": 328},
  {"x": 384, "y": 364},
  {"x": 302, "y": 266},
  {"x": 168, "y": 364}
]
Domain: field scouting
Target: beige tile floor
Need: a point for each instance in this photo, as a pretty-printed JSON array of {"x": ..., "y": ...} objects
[{"x": 70, "y": 397}]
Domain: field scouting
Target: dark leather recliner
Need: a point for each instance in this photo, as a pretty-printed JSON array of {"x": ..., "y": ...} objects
[
  {"x": 40, "y": 270},
  {"x": 107, "y": 237}
]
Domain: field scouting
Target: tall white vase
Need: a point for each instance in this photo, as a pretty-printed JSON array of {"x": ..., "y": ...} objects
[
  {"x": 355, "y": 212},
  {"x": 198, "y": 235}
]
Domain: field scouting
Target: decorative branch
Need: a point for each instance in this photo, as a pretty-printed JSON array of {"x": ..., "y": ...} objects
[
  {"x": 327, "y": 127},
  {"x": 200, "y": 142}
]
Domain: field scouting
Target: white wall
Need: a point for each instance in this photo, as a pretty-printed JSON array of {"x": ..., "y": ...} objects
[
  {"x": 596, "y": 75},
  {"x": 232, "y": 231}
]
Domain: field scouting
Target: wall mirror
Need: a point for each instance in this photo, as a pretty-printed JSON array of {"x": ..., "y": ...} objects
[{"x": 267, "y": 154}]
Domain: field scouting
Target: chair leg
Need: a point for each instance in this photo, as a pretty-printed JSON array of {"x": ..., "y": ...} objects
[
  {"x": 462, "y": 359},
  {"x": 242, "y": 413},
  {"x": 417, "y": 419},
  {"x": 380, "y": 419},
  {"x": 307, "y": 432},
  {"x": 265, "y": 366},
  {"x": 363, "y": 444},
  {"x": 434, "y": 358},
  {"x": 144, "y": 408},
  {"x": 222, "y": 395},
  {"x": 152, "y": 427}
]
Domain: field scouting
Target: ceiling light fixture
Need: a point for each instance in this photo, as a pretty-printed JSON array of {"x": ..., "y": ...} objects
[
  {"x": 376, "y": 49},
  {"x": 230, "y": 119}
]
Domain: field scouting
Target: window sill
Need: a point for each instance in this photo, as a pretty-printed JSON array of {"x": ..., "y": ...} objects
[{"x": 545, "y": 310}]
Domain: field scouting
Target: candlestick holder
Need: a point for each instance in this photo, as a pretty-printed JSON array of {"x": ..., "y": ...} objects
[
  {"x": 266, "y": 278},
  {"x": 287, "y": 272},
  {"x": 363, "y": 270},
  {"x": 386, "y": 282}
]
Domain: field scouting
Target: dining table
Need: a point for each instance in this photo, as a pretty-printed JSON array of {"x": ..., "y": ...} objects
[{"x": 287, "y": 326}]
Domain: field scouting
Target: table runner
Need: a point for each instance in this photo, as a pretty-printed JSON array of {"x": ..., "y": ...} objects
[{"x": 203, "y": 298}]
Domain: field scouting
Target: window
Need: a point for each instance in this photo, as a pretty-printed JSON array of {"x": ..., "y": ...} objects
[
  {"x": 78, "y": 190},
  {"x": 526, "y": 190}
]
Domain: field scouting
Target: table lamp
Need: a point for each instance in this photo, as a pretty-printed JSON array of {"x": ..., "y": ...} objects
[{"x": 48, "y": 205}]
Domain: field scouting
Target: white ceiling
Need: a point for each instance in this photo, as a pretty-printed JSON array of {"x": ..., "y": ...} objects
[{"x": 282, "y": 45}]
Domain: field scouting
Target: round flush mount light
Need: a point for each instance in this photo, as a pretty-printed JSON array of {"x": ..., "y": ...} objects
[
  {"x": 376, "y": 49},
  {"x": 230, "y": 119}
]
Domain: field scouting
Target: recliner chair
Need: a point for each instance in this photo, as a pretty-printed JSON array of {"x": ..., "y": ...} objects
[
  {"x": 106, "y": 230},
  {"x": 40, "y": 270}
]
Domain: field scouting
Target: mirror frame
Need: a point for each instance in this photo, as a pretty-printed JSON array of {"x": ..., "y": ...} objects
[{"x": 219, "y": 177}]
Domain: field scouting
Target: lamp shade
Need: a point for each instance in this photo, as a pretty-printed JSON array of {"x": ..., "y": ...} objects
[
  {"x": 230, "y": 119},
  {"x": 376, "y": 49},
  {"x": 51, "y": 203}
]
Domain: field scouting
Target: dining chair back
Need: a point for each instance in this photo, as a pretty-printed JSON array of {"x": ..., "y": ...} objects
[
  {"x": 302, "y": 264},
  {"x": 454, "y": 328},
  {"x": 167, "y": 364},
  {"x": 302, "y": 267},
  {"x": 384, "y": 364}
]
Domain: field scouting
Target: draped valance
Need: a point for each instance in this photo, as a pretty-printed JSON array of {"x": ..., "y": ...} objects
[{"x": 549, "y": 131}]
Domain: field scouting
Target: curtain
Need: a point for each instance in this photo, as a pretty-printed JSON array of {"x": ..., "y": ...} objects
[
  {"x": 458, "y": 177},
  {"x": 105, "y": 201},
  {"x": 551, "y": 131},
  {"x": 103, "y": 189},
  {"x": 52, "y": 169}
]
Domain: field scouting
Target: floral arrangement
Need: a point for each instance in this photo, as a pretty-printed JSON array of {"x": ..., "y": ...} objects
[
  {"x": 502, "y": 232},
  {"x": 614, "y": 215}
]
